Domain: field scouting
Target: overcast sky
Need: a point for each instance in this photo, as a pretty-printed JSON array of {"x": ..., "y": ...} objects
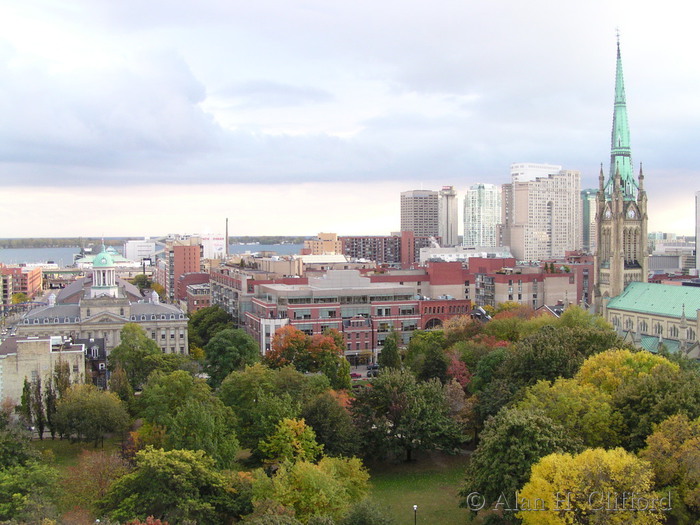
[{"x": 293, "y": 117}]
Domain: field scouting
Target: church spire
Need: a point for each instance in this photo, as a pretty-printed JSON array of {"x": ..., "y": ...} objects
[{"x": 620, "y": 151}]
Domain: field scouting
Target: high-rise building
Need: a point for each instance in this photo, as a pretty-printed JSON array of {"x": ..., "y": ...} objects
[
  {"x": 482, "y": 214},
  {"x": 621, "y": 214},
  {"x": 529, "y": 171},
  {"x": 419, "y": 213},
  {"x": 448, "y": 219},
  {"x": 588, "y": 211},
  {"x": 542, "y": 215}
]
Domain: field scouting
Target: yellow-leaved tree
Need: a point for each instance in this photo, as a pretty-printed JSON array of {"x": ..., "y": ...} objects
[{"x": 597, "y": 486}]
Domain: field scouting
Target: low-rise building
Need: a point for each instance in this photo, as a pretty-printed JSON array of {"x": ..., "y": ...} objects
[{"x": 35, "y": 358}]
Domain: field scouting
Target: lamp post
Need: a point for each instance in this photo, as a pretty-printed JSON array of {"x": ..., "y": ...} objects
[{"x": 415, "y": 514}]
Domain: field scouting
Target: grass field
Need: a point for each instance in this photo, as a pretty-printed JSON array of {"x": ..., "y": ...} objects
[
  {"x": 65, "y": 453},
  {"x": 432, "y": 482}
]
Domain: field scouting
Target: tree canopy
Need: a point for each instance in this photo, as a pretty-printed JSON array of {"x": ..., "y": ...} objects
[
  {"x": 134, "y": 355},
  {"x": 227, "y": 351}
]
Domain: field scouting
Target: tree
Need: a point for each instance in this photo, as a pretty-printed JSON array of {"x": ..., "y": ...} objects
[
  {"x": 389, "y": 357},
  {"x": 435, "y": 365},
  {"x": 164, "y": 394},
  {"x": 614, "y": 368},
  {"x": 287, "y": 346},
  {"x": 227, "y": 351},
  {"x": 25, "y": 406},
  {"x": 332, "y": 424},
  {"x": 142, "y": 281},
  {"x": 398, "y": 414},
  {"x": 581, "y": 409},
  {"x": 50, "y": 401},
  {"x": 328, "y": 488},
  {"x": 61, "y": 377},
  {"x": 460, "y": 328},
  {"x": 367, "y": 512},
  {"x": 205, "y": 425},
  {"x": 174, "y": 486},
  {"x": 595, "y": 486},
  {"x": 37, "y": 401},
  {"x": 418, "y": 346},
  {"x": 19, "y": 298},
  {"x": 88, "y": 481},
  {"x": 510, "y": 444},
  {"x": 293, "y": 440},
  {"x": 132, "y": 355},
  {"x": 119, "y": 384},
  {"x": 88, "y": 413},
  {"x": 206, "y": 323},
  {"x": 673, "y": 450},
  {"x": 27, "y": 493}
]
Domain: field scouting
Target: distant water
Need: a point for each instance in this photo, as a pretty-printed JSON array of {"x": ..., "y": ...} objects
[
  {"x": 279, "y": 249},
  {"x": 61, "y": 256},
  {"x": 64, "y": 256}
]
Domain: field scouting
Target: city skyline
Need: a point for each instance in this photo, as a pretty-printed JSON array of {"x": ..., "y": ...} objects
[{"x": 118, "y": 119}]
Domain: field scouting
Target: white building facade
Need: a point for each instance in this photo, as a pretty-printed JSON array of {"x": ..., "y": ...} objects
[
  {"x": 482, "y": 213},
  {"x": 447, "y": 211}
]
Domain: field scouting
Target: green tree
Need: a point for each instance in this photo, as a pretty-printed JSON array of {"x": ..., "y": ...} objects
[
  {"x": 367, "y": 512},
  {"x": 164, "y": 394},
  {"x": 328, "y": 488},
  {"x": 61, "y": 377},
  {"x": 332, "y": 424},
  {"x": 418, "y": 346},
  {"x": 389, "y": 357},
  {"x": 142, "y": 281},
  {"x": 25, "y": 406},
  {"x": 208, "y": 426},
  {"x": 50, "y": 401},
  {"x": 88, "y": 413},
  {"x": 37, "y": 401},
  {"x": 576, "y": 488},
  {"x": 399, "y": 414},
  {"x": 27, "y": 493},
  {"x": 227, "y": 351},
  {"x": 206, "y": 323},
  {"x": 133, "y": 353},
  {"x": 435, "y": 365},
  {"x": 119, "y": 384},
  {"x": 510, "y": 444},
  {"x": 293, "y": 440},
  {"x": 175, "y": 486}
]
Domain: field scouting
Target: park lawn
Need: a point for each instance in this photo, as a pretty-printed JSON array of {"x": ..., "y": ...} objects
[
  {"x": 432, "y": 482},
  {"x": 65, "y": 453}
]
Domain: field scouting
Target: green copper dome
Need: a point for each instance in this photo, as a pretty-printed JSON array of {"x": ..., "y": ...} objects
[{"x": 103, "y": 260}]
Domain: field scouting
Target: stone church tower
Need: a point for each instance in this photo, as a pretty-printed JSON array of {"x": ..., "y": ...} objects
[{"x": 621, "y": 217}]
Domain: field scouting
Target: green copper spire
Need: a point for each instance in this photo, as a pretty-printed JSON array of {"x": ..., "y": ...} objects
[{"x": 620, "y": 151}]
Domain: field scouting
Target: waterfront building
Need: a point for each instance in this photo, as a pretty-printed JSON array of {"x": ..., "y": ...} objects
[
  {"x": 100, "y": 305},
  {"x": 323, "y": 244}
]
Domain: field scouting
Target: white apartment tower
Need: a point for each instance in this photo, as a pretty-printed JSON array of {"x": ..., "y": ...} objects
[
  {"x": 447, "y": 212},
  {"x": 482, "y": 214},
  {"x": 419, "y": 213},
  {"x": 544, "y": 214}
]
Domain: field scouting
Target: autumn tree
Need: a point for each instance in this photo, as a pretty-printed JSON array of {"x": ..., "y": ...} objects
[
  {"x": 576, "y": 489},
  {"x": 38, "y": 411},
  {"x": 581, "y": 409},
  {"x": 88, "y": 481},
  {"x": 227, "y": 351},
  {"x": 420, "y": 344},
  {"x": 673, "y": 450}
]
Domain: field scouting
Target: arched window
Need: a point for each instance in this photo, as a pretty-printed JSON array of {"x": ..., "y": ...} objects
[{"x": 658, "y": 329}]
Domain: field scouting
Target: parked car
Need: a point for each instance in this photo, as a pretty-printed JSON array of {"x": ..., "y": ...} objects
[
  {"x": 372, "y": 370},
  {"x": 355, "y": 375}
]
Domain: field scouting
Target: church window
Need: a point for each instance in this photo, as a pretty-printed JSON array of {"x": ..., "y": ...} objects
[
  {"x": 673, "y": 331},
  {"x": 658, "y": 329},
  {"x": 691, "y": 334}
]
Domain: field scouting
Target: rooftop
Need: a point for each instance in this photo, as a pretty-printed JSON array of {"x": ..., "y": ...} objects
[{"x": 660, "y": 299}]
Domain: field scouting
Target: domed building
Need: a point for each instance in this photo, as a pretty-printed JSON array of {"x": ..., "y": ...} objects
[{"x": 98, "y": 306}]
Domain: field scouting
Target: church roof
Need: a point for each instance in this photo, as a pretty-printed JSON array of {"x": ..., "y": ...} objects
[{"x": 658, "y": 299}]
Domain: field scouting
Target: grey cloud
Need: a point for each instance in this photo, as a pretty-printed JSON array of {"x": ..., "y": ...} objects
[{"x": 265, "y": 93}]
